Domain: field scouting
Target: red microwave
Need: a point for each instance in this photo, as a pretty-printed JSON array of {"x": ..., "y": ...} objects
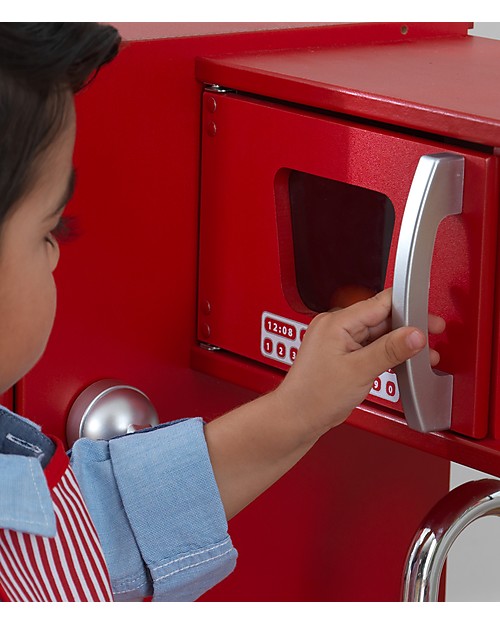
[{"x": 304, "y": 209}]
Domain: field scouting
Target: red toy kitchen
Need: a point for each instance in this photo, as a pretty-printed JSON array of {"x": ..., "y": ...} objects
[{"x": 235, "y": 181}]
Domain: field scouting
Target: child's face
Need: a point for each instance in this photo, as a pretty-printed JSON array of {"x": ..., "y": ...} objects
[{"x": 28, "y": 256}]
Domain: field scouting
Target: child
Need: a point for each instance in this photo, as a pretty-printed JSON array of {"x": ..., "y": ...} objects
[{"x": 146, "y": 513}]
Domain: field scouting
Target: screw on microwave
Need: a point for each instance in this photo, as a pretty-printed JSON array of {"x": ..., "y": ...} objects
[{"x": 211, "y": 104}]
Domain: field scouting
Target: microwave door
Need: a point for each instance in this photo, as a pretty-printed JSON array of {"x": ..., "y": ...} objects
[
  {"x": 436, "y": 192},
  {"x": 299, "y": 208}
]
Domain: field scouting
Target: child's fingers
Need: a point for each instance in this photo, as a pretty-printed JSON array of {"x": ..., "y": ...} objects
[
  {"x": 434, "y": 357},
  {"x": 436, "y": 325},
  {"x": 370, "y": 319},
  {"x": 389, "y": 351},
  {"x": 367, "y": 317}
]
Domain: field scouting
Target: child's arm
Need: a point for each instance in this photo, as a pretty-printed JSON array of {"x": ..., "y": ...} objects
[{"x": 342, "y": 353}]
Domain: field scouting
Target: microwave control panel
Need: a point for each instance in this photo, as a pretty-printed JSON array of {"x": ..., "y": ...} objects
[{"x": 280, "y": 340}]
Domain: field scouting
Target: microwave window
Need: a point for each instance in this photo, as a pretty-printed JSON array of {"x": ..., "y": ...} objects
[{"x": 341, "y": 240}]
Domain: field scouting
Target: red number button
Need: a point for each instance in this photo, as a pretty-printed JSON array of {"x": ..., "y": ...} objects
[
  {"x": 268, "y": 346},
  {"x": 390, "y": 389}
]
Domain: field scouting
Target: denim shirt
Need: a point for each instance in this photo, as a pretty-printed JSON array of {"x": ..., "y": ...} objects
[{"x": 152, "y": 497}]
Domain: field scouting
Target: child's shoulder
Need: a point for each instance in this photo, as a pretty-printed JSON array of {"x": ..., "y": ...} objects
[{"x": 50, "y": 548}]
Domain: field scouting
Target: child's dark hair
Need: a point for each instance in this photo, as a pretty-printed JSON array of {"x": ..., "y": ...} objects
[{"x": 40, "y": 63}]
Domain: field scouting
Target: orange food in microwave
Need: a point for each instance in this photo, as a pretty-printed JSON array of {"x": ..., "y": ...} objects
[{"x": 350, "y": 294}]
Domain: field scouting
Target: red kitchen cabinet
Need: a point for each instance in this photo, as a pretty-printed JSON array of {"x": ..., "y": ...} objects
[{"x": 131, "y": 307}]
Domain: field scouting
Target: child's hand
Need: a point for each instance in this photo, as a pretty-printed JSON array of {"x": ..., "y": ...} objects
[{"x": 341, "y": 355}]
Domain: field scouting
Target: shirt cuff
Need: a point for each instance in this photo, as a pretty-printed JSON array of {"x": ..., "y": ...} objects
[{"x": 170, "y": 509}]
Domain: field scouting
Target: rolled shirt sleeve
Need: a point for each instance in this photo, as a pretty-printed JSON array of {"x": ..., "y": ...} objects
[{"x": 154, "y": 501}]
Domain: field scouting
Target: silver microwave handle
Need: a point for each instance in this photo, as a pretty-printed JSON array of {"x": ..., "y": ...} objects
[{"x": 436, "y": 192}]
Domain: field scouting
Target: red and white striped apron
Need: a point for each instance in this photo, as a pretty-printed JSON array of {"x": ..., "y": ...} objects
[{"x": 68, "y": 567}]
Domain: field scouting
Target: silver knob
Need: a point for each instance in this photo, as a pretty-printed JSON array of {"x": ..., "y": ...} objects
[{"x": 109, "y": 408}]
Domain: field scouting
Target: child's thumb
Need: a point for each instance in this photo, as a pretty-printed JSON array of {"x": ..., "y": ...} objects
[{"x": 392, "y": 349}]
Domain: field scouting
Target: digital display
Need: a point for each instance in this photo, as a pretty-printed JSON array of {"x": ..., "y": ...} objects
[{"x": 280, "y": 328}]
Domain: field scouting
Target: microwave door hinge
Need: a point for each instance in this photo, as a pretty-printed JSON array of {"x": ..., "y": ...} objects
[
  {"x": 218, "y": 89},
  {"x": 209, "y": 347}
]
